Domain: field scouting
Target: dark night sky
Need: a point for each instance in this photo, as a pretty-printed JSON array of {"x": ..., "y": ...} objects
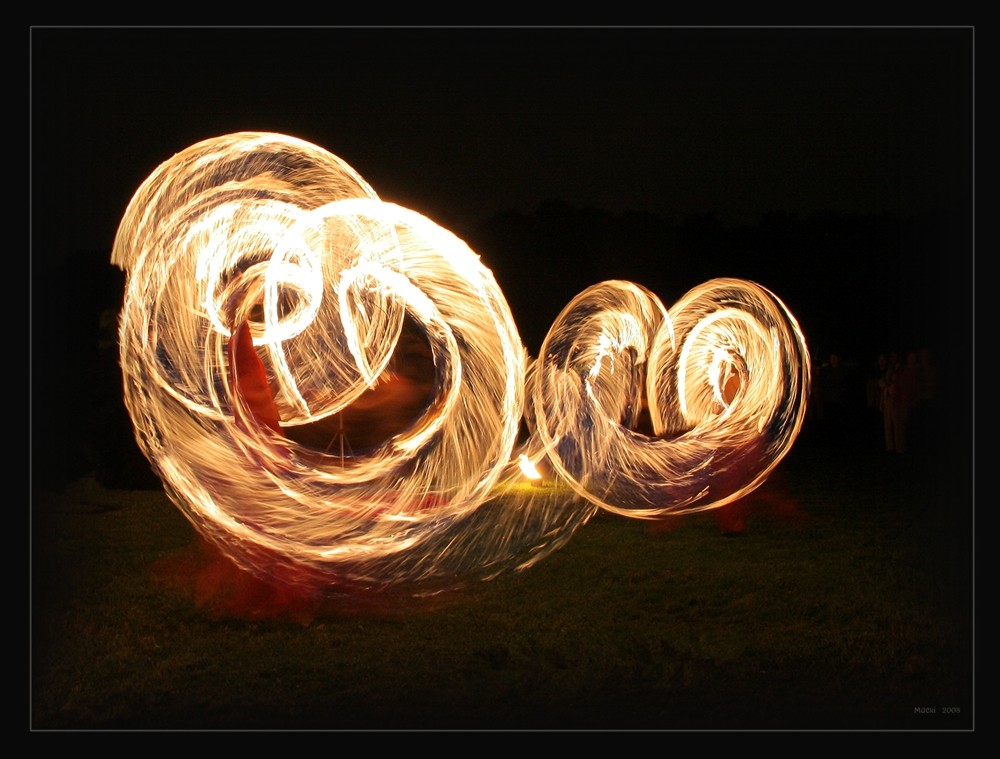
[{"x": 462, "y": 124}]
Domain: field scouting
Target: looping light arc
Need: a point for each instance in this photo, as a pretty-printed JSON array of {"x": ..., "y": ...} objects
[{"x": 276, "y": 312}]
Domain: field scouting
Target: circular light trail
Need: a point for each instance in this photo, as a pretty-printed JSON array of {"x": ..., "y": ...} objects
[{"x": 332, "y": 387}]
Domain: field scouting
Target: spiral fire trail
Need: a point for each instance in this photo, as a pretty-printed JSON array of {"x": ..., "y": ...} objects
[{"x": 270, "y": 296}]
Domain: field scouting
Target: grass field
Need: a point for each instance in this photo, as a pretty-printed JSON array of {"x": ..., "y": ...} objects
[{"x": 846, "y": 604}]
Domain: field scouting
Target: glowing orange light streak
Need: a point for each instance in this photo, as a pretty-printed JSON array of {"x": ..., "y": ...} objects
[{"x": 267, "y": 293}]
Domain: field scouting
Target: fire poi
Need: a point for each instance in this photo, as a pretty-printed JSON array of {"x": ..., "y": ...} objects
[{"x": 277, "y": 312}]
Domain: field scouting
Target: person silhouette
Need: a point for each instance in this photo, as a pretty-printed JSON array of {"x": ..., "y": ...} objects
[
  {"x": 887, "y": 399},
  {"x": 901, "y": 386}
]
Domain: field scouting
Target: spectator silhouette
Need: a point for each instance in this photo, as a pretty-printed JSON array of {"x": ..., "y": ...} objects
[
  {"x": 873, "y": 393},
  {"x": 887, "y": 393},
  {"x": 899, "y": 390},
  {"x": 873, "y": 389}
]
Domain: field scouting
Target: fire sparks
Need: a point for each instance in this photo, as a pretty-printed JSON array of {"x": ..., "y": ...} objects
[{"x": 277, "y": 313}]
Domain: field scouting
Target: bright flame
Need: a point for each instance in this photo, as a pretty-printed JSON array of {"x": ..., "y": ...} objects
[
  {"x": 528, "y": 467},
  {"x": 268, "y": 293}
]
